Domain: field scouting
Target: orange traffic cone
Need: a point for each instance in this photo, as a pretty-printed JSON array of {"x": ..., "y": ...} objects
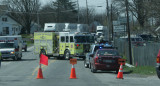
[
  {"x": 73, "y": 73},
  {"x": 120, "y": 73},
  {"x": 40, "y": 75}
]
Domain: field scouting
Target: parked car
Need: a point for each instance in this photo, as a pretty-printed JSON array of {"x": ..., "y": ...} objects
[
  {"x": 24, "y": 45},
  {"x": 136, "y": 41},
  {"x": 105, "y": 60},
  {"x": 158, "y": 65},
  {"x": 92, "y": 50},
  {"x": 147, "y": 37}
]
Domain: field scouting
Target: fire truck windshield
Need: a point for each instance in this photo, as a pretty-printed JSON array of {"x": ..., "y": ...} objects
[{"x": 84, "y": 39}]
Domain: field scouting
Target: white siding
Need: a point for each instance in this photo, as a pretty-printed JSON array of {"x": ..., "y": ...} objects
[{"x": 14, "y": 27}]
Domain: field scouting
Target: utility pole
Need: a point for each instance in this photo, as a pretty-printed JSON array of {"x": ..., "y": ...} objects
[
  {"x": 37, "y": 21},
  {"x": 112, "y": 24},
  {"x": 87, "y": 12},
  {"x": 129, "y": 38},
  {"x": 58, "y": 11},
  {"x": 107, "y": 7},
  {"x": 78, "y": 10},
  {"x": 38, "y": 28}
]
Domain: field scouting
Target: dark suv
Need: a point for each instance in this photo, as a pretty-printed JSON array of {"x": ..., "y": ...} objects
[
  {"x": 158, "y": 65},
  {"x": 105, "y": 59},
  {"x": 92, "y": 50}
]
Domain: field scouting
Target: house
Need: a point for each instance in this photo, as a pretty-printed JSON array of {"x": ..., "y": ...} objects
[
  {"x": 8, "y": 25},
  {"x": 35, "y": 27}
]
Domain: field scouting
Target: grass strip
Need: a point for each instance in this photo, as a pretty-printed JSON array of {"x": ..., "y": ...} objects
[{"x": 142, "y": 70}]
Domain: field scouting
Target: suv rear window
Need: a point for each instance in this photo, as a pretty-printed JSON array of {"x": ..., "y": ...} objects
[
  {"x": 97, "y": 47},
  {"x": 107, "y": 53}
]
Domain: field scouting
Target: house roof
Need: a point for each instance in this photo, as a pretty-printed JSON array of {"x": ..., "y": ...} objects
[{"x": 3, "y": 9}]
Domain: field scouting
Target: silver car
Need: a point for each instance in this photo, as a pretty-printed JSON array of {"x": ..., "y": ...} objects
[{"x": 24, "y": 46}]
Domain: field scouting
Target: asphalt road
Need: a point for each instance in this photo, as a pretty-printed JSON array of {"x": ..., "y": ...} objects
[{"x": 24, "y": 73}]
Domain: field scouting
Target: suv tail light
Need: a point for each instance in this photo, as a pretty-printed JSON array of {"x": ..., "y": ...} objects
[
  {"x": 158, "y": 59},
  {"x": 96, "y": 60}
]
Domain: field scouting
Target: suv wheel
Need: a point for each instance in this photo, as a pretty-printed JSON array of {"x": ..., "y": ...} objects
[
  {"x": 89, "y": 66},
  {"x": 85, "y": 65},
  {"x": 158, "y": 73},
  {"x": 25, "y": 49},
  {"x": 93, "y": 70}
]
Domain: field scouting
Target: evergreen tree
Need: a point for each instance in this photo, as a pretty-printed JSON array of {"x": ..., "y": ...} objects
[{"x": 65, "y": 11}]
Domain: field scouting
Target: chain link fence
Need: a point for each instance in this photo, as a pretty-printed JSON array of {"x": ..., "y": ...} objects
[{"x": 141, "y": 55}]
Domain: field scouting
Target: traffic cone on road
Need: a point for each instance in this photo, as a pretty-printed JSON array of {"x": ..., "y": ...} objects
[
  {"x": 40, "y": 75},
  {"x": 120, "y": 73},
  {"x": 73, "y": 73}
]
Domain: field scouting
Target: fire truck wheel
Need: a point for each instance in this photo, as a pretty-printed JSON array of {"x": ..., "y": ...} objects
[
  {"x": 25, "y": 49},
  {"x": 85, "y": 64},
  {"x": 67, "y": 55}
]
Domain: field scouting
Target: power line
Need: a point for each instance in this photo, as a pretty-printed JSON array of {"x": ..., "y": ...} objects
[{"x": 34, "y": 13}]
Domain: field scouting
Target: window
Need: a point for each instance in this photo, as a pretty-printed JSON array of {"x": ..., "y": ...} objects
[
  {"x": 4, "y": 19},
  {"x": 49, "y": 26},
  {"x": 62, "y": 39},
  {"x": 71, "y": 38},
  {"x": 67, "y": 39},
  {"x": 5, "y": 30}
]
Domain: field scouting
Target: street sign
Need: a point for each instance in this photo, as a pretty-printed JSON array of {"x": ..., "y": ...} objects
[
  {"x": 116, "y": 23},
  {"x": 119, "y": 28},
  {"x": 73, "y": 61},
  {"x": 121, "y": 61},
  {"x": 123, "y": 20}
]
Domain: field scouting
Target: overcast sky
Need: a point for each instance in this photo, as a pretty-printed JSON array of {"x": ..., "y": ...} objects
[{"x": 91, "y": 4}]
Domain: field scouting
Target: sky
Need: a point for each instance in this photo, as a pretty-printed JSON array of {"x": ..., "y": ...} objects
[{"x": 91, "y": 4}]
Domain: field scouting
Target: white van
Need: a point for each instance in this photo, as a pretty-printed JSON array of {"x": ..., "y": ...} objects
[{"x": 11, "y": 47}]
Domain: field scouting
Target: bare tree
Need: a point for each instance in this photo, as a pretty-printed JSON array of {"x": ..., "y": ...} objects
[
  {"x": 83, "y": 15},
  {"x": 47, "y": 14},
  {"x": 138, "y": 8},
  {"x": 24, "y": 11}
]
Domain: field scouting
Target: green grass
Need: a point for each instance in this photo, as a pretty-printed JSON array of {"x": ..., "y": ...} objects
[
  {"x": 29, "y": 43},
  {"x": 26, "y": 36},
  {"x": 142, "y": 70}
]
